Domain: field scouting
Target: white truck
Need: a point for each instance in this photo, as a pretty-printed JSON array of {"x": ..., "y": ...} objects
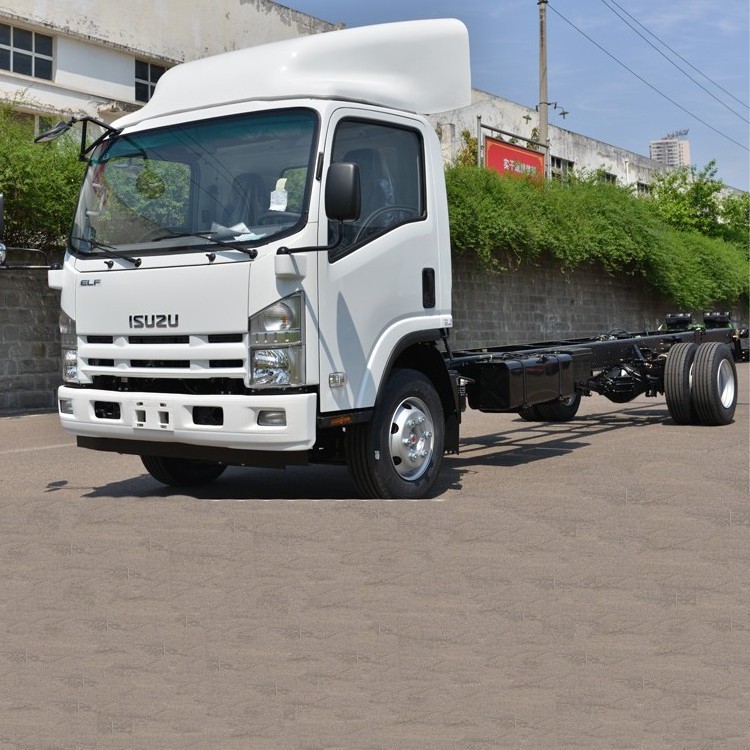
[{"x": 259, "y": 274}]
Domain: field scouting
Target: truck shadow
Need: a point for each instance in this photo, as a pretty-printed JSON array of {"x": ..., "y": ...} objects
[
  {"x": 516, "y": 443},
  {"x": 527, "y": 442}
]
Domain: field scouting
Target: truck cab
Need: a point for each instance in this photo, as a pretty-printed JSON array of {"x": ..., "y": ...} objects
[{"x": 258, "y": 271}]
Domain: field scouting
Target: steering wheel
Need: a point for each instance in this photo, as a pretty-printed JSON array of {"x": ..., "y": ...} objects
[{"x": 408, "y": 210}]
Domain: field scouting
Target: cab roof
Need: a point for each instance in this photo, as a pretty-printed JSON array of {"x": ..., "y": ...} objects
[{"x": 416, "y": 66}]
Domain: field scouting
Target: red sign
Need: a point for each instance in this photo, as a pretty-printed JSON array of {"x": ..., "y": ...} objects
[{"x": 507, "y": 158}]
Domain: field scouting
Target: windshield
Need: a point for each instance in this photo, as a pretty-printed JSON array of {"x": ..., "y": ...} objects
[{"x": 241, "y": 179}]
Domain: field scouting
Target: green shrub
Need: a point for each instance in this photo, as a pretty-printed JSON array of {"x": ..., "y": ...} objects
[
  {"x": 39, "y": 182},
  {"x": 508, "y": 221}
]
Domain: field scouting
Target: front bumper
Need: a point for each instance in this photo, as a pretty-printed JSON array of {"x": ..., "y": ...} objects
[{"x": 171, "y": 418}]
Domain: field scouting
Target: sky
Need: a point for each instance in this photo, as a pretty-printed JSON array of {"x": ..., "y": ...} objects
[{"x": 619, "y": 85}]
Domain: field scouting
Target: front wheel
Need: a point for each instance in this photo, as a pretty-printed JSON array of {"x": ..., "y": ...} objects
[
  {"x": 181, "y": 472},
  {"x": 398, "y": 454}
]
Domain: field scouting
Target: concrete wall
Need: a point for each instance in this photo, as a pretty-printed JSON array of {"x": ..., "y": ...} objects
[
  {"x": 539, "y": 303},
  {"x": 532, "y": 304},
  {"x": 29, "y": 341}
]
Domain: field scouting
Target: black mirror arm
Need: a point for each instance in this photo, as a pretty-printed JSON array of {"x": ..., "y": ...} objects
[{"x": 314, "y": 248}]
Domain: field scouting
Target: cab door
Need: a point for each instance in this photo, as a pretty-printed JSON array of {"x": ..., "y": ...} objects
[{"x": 371, "y": 285}]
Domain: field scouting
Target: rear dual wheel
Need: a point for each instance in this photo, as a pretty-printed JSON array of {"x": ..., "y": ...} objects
[
  {"x": 714, "y": 384},
  {"x": 700, "y": 383},
  {"x": 678, "y": 376}
]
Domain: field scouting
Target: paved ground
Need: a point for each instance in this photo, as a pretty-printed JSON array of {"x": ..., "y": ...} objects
[{"x": 573, "y": 586}]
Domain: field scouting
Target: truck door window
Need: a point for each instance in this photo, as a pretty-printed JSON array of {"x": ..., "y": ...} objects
[{"x": 391, "y": 178}]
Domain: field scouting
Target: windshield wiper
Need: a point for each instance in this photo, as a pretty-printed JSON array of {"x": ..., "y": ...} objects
[
  {"x": 217, "y": 238},
  {"x": 108, "y": 250}
]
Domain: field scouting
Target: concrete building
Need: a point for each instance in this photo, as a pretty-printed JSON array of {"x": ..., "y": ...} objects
[
  {"x": 672, "y": 151},
  {"x": 102, "y": 59},
  {"x": 568, "y": 150}
]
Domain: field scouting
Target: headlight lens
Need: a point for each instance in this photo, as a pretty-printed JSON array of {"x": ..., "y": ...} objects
[
  {"x": 69, "y": 347},
  {"x": 277, "y": 344},
  {"x": 279, "y": 317}
]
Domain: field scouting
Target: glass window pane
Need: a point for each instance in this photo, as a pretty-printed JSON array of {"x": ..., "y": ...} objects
[
  {"x": 141, "y": 92},
  {"x": 22, "y": 63},
  {"x": 22, "y": 39},
  {"x": 5, "y": 34},
  {"x": 43, "y": 44},
  {"x": 156, "y": 73},
  {"x": 4, "y": 59},
  {"x": 141, "y": 70},
  {"x": 43, "y": 68}
]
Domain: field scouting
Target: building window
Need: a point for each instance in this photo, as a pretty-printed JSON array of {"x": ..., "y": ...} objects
[
  {"x": 146, "y": 76},
  {"x": 561, "y": 168},
  {"x": 25, "y": 52},
  {"x": 643, "y": 188},
  {"x": 609, "y": 178}
]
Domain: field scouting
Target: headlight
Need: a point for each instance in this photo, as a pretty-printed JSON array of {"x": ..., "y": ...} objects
[
  {"x": 277, "y": 344},
  {"x": 69, "y": 347}
]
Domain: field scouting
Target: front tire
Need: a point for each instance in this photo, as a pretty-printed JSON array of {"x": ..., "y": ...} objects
[
  {"x": 398, "y": 453},
  {"x": 181, "y": 472}
]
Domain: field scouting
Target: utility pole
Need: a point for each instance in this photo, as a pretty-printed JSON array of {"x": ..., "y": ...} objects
[{"x": 543, "y": 98}]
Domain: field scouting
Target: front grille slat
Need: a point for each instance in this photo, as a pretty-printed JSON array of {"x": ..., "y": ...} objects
[
  {"x": 163, "y": 340},
  {"x": 197, "y": 355}
]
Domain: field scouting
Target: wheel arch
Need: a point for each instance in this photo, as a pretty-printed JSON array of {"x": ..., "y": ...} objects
[{"x": 419, "y": 351}]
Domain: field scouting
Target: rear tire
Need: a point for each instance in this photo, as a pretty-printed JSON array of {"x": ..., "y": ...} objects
[
  {"x": 181, "y": 472},
  {"x": 530, "y": 414},
  {"x": 561, "y": 410},
  {"x": 398, "y": 453},
  {"x": 678, "y": 375},
  {"x": 714, "y": 384}
]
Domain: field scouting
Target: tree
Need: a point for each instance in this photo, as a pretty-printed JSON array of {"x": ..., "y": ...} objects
[
  {"x": 695, "y": 201},
  {"x": 735, "y": 218},
  {"x": 467, "y": 154},
  {"x": 39, "y": 182}
]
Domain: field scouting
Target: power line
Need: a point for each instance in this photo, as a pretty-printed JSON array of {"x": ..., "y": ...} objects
[
  {"x": 650, "y": 85},
  {"x": 672, "y": 62},
  {"x": 677, "y": 54}
]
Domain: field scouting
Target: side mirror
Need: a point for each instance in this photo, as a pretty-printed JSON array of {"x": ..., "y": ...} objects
[{"x": 343, "y": 196}]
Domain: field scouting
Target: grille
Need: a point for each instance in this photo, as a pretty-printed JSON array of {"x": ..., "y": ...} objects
[{"x": 194, "y": 356}]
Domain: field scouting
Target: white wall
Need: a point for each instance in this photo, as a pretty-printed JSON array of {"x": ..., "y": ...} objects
[
  {"x": 173, "y": 30},
  {"x": 97, "y": 42}
]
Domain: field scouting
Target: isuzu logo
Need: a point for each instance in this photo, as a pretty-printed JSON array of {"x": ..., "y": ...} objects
[{"x": 153, "y": 321}]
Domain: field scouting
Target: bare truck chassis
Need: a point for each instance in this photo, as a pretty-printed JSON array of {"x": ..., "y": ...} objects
[{"x": 693, "y": 366}]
